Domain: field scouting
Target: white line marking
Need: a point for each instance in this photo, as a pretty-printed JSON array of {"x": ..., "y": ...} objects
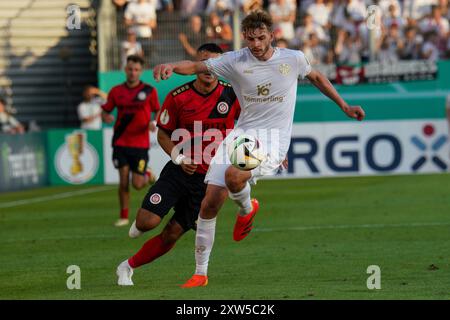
[
  {"x": 399, "y": 88},
  {"x": 54, "y": 197},
  {"x": 357, "y": 226},
  {"x": 305, "y": 228}
]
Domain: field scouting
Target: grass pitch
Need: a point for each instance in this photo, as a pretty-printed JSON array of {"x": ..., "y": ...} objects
[{"x": 313, "y": 239}]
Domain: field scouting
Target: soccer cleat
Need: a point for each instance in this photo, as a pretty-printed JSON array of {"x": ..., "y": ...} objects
[
  {"x": 196, "y": 280},
  {"x": 244, "y": 224},
  {"x": 124, "y": 272},
  {"x": 121, "y": 222},
  {"x": 134, "y": 232}
]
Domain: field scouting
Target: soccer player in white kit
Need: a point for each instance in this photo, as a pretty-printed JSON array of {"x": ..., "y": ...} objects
[{"x": 264, "y": 79}]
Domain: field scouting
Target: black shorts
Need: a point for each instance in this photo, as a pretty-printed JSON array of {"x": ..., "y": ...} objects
[
  {"x": 176, "y": 189},
  {"x": 136, "y": 158}
]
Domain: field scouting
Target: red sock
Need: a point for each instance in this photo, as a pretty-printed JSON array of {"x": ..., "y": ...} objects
[
  {"x": 151, "y": 250},
  {"x": 124, "y": 213}
]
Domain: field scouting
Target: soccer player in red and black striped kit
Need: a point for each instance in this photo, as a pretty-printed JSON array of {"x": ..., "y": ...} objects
[
  {"x": 135, "y": 102},
  {"x": 181, "y": 183}
]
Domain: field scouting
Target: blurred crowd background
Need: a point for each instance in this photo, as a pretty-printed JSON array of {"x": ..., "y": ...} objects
[{"x": 345, "y": 32}]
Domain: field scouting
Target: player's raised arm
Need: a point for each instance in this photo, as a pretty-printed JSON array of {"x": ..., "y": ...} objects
[
  {"x": 325, "y": 86},
  {"x": 185, "y": 67}
]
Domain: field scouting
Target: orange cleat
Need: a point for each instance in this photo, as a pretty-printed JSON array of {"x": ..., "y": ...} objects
[
  {"x": 196, "y": 281},
  {"x": 244, "y": 224}
]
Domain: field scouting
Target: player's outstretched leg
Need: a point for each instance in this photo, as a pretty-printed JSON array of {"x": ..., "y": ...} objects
[
  {"x": 206, "y": 224},
  {"x": 239, "y": 192},
  {"x": 151, "y": 250}
]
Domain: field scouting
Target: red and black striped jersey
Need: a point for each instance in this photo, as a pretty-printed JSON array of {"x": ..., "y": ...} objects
[
  {"x": 197, "y": 113},
  {"x": 134, "y": 108}
]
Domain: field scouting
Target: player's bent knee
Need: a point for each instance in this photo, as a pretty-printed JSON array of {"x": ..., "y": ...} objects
[
  {"x": 236, "y": 179},
  {"x": 147, "y": 220},
  {"x": 138, "y": 183}
]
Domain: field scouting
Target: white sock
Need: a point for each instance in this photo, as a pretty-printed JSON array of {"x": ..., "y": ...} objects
[
  {"x": 204, "y": 241},
  {"x": 243, "y": 200},
  {"x": 134, "y": 232}
]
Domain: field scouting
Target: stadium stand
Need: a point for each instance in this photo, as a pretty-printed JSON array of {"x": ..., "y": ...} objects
[
  {"x": 335, "y": 23},
  {"x": 45, "y": 64}
]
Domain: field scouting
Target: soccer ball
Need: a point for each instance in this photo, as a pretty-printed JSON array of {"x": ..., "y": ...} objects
[{"x": 245, "y": 152}]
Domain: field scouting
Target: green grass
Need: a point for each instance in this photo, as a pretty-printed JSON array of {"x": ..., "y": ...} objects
[{"x": 313, "y": 239}]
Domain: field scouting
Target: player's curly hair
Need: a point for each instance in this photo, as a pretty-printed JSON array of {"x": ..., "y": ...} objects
[{"x": 258, "y": 19}]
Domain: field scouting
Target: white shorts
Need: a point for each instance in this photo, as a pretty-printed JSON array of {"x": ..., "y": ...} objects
[{"x": 220, "y": 163}]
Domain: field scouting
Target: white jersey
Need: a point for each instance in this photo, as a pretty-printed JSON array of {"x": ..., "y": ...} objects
[
  {"x": 266, "y": 90},
  {"x": 89, "y": 109}
]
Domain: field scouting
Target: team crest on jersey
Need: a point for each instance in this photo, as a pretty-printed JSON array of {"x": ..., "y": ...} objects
[
  {"x": 164, "y": 118},
  {"x": 284, "y": 69},
  {"x": 142, "y": 95},
  {"x": 155, "y": 198},
  {"x": 223, "y": 107}
]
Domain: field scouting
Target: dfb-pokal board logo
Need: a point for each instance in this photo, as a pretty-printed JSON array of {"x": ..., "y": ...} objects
[
  {"x": 429, "y": 146},
  {"x": 76, "y": 161}
]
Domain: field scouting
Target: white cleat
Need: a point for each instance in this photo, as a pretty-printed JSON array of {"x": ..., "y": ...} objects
[
  {"x": 124, "y": 272},
  {"x": 134, "y": 232},
  {"x": 121, "y": 222}
]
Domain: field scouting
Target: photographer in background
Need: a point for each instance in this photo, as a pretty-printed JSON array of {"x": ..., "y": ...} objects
[
  {"x": 8, "y": 124},
  {"x": 90, "y": 110}
]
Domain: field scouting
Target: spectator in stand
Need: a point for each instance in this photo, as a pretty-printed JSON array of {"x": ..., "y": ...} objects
[
  {"x": 356, "y": 10},
  {"x": 251, "y": 5},
  {"x": 308, "y": 27},
  {"x": 387, "y": 52},
  {"x": 314, "y": 51},
  {"x": 386, "y": 4},
  {"x": 192, "y": 7},
  {"x": 8, "y": 124},
  {"x": 120, "y": 3},
  {"x": 283, "y": 16},
  {"x": 218, "y": 30},
  {"x": 393, "y": 17},
  {"x": 90, "y": 110},
  {"x": 320, "y": 12},
  {"x": 337, "y": 17},
  {"x": 415, "y": 10},
  {"x": 445, "y": 8},
  {"x": 193, "y": 38},
  {"x": 160, "y": 4},
  {"x": 130, "y": 47},
  {"x": 141, "y": 17},
  {"x": 224, "y": 8},
  {"x": 164, "y": 5},
  {"x": 348, "y": 48},
  {"x": 282, "y": 43},
  {"x": 430, "y": 50},
  {"x": 435, "y": 22},
  {"x": 410, "y": 45}
]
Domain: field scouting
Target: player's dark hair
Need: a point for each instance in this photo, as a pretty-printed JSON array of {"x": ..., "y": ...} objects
[
  {"x": 258, "y": 19},
  {"x": 210, "y": 47},
  {"x": 136, "y": 59}
]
